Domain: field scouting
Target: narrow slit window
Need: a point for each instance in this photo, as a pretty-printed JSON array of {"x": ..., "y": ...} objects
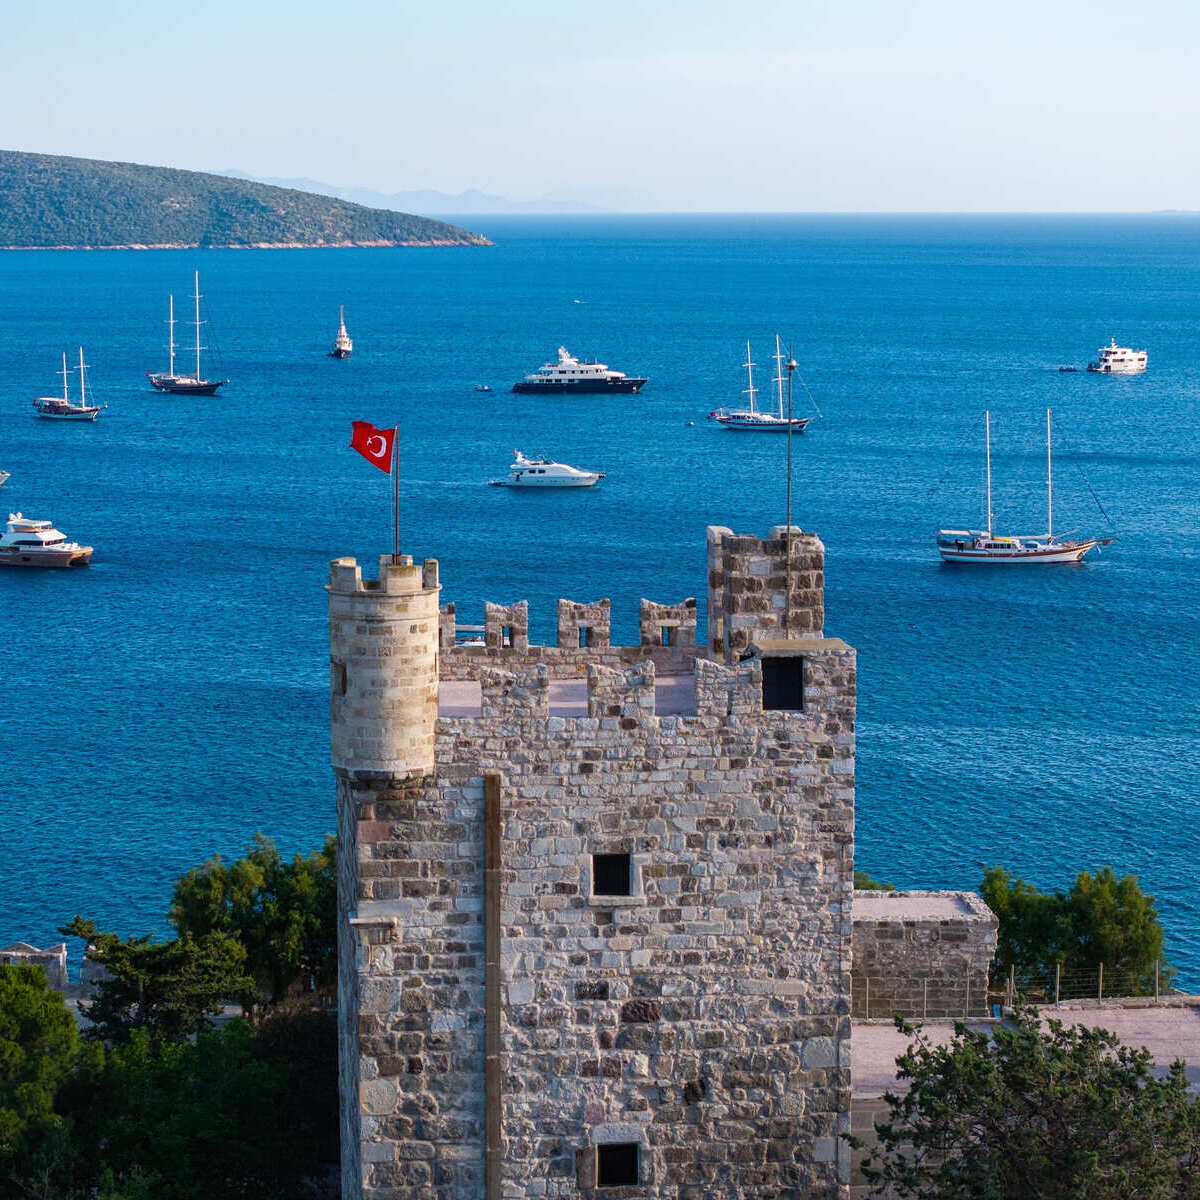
[
  {"x": 668, "y": 635},
  {"x": 783, "y": 684},
  {"x": 585, "y": 636},
  {"x": 506, "y": 635},
  {"x": 617, "y": 1164},
  {"x": 612, "y": 875}
]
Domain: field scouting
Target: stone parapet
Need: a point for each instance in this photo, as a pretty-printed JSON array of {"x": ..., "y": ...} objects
[
  {"x": 583, "y": 625},
  {"x": 763, "y": 587},
  {"x": 667, "y": 624},
  {"x": 506, "y": 626}
]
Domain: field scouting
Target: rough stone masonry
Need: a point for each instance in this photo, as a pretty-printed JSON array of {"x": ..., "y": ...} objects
[{"x": 595, "y": 901}]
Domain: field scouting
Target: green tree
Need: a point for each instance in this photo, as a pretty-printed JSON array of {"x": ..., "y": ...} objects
[
  {"x": 193, "y": 1120},
  {"x": 1102, "y": 919},
  {"x": 864, "y": 883},
  {"x": 168, "y": 989},
  {"x": 38, "y": 1047},
  {"x": 1056, "y": 1113},
  {"x": 283, "y": 913}
]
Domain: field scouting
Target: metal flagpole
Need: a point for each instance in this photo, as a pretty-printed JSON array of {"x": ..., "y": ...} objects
[
  {"x": 395, "y": 495},
  {"x": 791, "y": 366}
]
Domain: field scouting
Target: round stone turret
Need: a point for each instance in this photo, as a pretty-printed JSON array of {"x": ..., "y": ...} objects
[{"x": 383, "y": 639}]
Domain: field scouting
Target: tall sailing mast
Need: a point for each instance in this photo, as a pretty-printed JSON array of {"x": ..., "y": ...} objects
[
  {"x": 987, "y": 427},
  {"x": 171, "y": 335},
  {"x": 778, "y": 380},
  {"x": 750, "y": 391},
  {"x": 82, "y": 385},
  {"x": 197, "y": 324},
  {"x": 64, "y": 373},
  {"x": 1049, "y": 484}
]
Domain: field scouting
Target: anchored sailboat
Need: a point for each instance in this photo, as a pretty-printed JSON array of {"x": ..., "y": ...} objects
[
  {"x": 343, "y": 347},
  {"x": 192, "y": 385},
  {"x": 753, "y": 417},
  {"x": 60, "y": 408},
  {"x": 986, "y": 546}
]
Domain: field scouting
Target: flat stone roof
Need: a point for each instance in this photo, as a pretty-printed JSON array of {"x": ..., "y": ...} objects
[
  {"x": 1169, "y": 1030},
  {"x": 915, "y": 906},
  {"x": 674, "y": 695}
]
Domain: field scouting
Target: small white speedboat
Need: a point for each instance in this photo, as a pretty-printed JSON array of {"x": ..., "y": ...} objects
[{"x": 541, "y": 472}]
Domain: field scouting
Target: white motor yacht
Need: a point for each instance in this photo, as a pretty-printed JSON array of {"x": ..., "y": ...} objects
[
  {"x": 541, "y": 472},
  {"x": 30, "y": 543},
  {"x": 5, "y": 476},
  {"x": 1118, "y": 360},
  {"x": 570, "y": 374}
]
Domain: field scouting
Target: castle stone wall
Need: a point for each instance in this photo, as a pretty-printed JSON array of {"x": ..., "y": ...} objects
[{"x": 703, "y": 1017}]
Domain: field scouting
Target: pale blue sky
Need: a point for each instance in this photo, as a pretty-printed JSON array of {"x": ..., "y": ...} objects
[{"x": 1065, "y": 105}]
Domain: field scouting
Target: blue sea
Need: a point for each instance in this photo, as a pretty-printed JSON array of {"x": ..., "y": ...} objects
[{"x": 166, "y": 704}]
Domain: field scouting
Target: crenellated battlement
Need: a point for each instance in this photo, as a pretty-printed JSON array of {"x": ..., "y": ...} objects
[{"x": 399, "y": 577}]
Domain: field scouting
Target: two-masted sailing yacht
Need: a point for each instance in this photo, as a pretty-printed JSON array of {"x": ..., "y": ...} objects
[
  {"x": 753, "y": 417},
  {"x": 986, "y": 546},
  {"x": 190, "y": 385},
  {"x": 60, "y": 408},
  {"x": 343, "y": 346}
]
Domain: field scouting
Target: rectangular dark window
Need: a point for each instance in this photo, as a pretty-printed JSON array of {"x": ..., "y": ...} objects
[
  {"x": 612, "y": 875},
  {"x": 783, "y": 684},
  {"x": 668, "y": 635},
  {"x": 617, "y": 1164},
  {"x": 585, "y": 636},
  {"x": 506, "y": 635}
]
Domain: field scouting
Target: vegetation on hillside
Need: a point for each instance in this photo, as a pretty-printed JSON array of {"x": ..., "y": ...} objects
[
  {"x": 1022, "y": 1111},
  {"x": 49, "y": 200}
]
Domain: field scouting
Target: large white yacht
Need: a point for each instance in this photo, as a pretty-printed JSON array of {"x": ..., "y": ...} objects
[
  {"x": 541, "y": 472},
  {"x": 569, "y": 374},
  {"x": 30, "y": 543},
  {"x": 1118, "y": 360},
  {"x": 343, "y": 345}
]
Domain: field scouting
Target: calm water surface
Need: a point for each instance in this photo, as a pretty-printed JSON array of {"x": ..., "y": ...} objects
[{"x": 170, "y": 701}]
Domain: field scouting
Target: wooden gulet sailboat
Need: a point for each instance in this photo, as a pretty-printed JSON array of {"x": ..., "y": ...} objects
[
  {"x": 986, "y": 546},
  {"x": 60, "y": 408},
  {"x": 189, "y": 385},
  {"x": 753, "y": 418}
]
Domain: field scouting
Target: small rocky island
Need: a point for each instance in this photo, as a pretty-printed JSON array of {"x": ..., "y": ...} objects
[{"x": 52, "y": 202}]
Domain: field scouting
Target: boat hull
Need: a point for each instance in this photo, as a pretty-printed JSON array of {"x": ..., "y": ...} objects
[
  {"x": 796, "y": 426},
  {"x": 586, "y": 385},
  {"x": 335, "y": 353},
  {"x": 540, "y": 483},
  {"x": 187, "y": 387},
  {"x": 79, "y": 557},
  {"x": 90, "y": 415},
  {"x": 1068, "y": 553}
]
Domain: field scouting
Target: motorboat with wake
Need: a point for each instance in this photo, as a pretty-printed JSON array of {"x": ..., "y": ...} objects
[
  {"x": 754, "y": 418},
  {"x": 60, "y": 408},
  {"x": 542, "y": 473},
  {"x": 986, "y": 546},
  {"x": 27, "y": 542}
]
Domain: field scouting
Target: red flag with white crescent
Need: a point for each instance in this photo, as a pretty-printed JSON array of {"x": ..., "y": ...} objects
[{"x": 375, "y": 445}]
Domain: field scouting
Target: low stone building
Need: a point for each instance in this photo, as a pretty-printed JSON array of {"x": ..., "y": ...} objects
[
  {"x": 52, "y": 960},
  {"x": 921, "y": 954},
  {"x": 594, "y": 901}
]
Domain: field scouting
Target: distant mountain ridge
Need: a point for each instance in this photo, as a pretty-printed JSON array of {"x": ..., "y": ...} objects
[
  {"x": 472, "y": 202},
  {"x": 51, "y": 201}
]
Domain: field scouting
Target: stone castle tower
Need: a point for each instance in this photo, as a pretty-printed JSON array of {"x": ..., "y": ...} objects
[{"x": 594, "y": 900}]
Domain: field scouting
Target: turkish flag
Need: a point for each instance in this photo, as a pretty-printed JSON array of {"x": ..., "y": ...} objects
[{"x": 375, "y": 445}]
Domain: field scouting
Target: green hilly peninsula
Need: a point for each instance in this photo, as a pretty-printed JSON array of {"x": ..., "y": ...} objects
[{"x": 48, "y": 201}]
